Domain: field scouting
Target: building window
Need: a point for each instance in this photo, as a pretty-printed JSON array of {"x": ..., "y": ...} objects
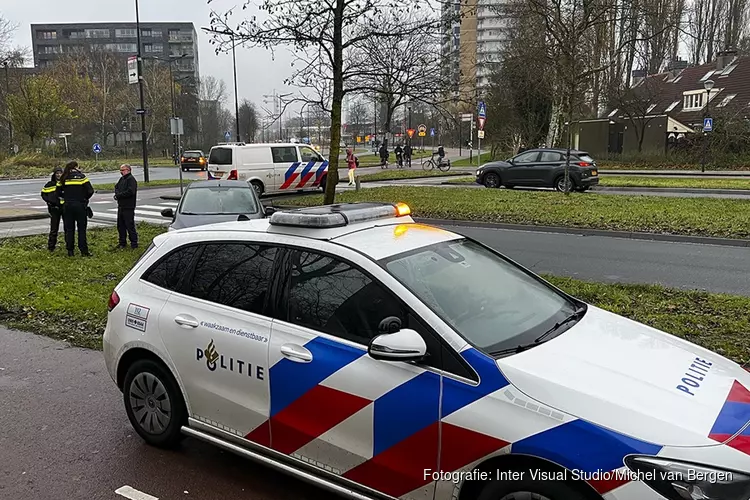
[
  {"x": 97, "y": 33},
  {"x": 174, "y": 34},
  {"x": 49, "y": 49},
  {"x": 146, "y": 33},
  {"x": 693, "y": 101},
  {"x": 77, "y": 34},
  {"x": 125, "y": 33},
  {"x": 650, "y": 108},
  {"x": 121, "y": 47},
  {"x": 726, "y": 100},
  {"x": 706, "y": 76},
  {"x": 728, "y": 69},
  {"x": 48, "y": 35}
]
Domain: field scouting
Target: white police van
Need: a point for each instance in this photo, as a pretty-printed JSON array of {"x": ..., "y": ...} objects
[
  {"x": 381, "y": 358},
  {"x": 269, "y": 168}
]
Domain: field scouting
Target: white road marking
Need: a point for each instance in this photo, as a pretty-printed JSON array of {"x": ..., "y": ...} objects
[
  {"x": 99, "y": 202},
  {"x": 39, "y": 206},
  {"x": 29, "y": 199},
  {"x": 133, "y": 494},
  {"x": 160, "y": 220}
]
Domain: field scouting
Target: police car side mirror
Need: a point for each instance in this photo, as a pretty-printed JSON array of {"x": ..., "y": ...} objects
[
  {"x": 167, "y": 212},
  {"x": 403, "y": 345}
]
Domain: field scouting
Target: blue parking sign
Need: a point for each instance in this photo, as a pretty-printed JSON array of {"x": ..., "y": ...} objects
[{"x": 708, "y": 124}]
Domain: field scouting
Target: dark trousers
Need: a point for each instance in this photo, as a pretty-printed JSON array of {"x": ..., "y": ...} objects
[
  {"x": 126, "y": 226},
  {"x": 55, "y": 215},
  {"x": 74, "y": 216}
]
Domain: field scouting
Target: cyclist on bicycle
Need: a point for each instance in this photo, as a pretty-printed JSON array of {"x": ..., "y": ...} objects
[
  {"x": 440, "y": 154},
  {"x": 399, "y": 156}
]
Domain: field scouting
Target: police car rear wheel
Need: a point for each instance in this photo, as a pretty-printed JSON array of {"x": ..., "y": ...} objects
[
  {"x": 154, "y": 404},
  {"x": 258, "y": 187},
  {"x": 527, "y": 489}
]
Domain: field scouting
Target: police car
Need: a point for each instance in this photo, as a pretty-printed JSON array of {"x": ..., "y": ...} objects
[{"x": 378, "y": 357}]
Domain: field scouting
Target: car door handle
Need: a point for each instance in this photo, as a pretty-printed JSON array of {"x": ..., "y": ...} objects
[
  {"x": 296, "y": 353},
  {"x": 185, "y": 320}
]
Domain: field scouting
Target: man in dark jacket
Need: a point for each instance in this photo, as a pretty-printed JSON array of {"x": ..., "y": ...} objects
[
  {"x": 54, "y": 207},
  {"x": 125, "y": 194}
]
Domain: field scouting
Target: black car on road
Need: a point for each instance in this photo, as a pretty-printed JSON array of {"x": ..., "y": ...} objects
[
  {"x": 193, "y": 159},
  {"x": 541, "y": 167}
]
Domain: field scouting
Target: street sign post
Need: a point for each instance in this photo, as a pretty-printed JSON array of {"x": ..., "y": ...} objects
[
  {"x": 133, "y": 69},
  {"x": 481, "y": 118},
  {"x": 422, "y": 131},
  {"x": 227, "y": 135},
  {"x": 467, "y": 117},
  {"x": 480, "y": 134},
  {"x": 432, "y": 134},
  {"x": 482, "y": 111},
  {"x": 97, "y": 149},
  {"x": 708, "y": 124},
  {"x": 176, "y": 126}
]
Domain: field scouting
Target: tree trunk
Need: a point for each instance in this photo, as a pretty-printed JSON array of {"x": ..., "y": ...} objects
[
  {"x": 570, "y": 138},
  {"x": 554, "y": 123},
  {"x": 332, "y": 179}
]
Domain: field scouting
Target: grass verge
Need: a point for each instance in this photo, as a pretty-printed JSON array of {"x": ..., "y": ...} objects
[
  {"x": 61, "y": 297},
  {"x": 33, "y": 166},
  {"x": 373, "y": 160},
  {"x": 66, "y": 298},
  {"x": 471, "y": 162},
  {"x": 716, "y": 217},
  {"x": 653, "y": 182},
  {"x": 152, "y": 184}
]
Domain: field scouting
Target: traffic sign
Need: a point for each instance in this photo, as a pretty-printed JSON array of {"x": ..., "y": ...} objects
[
  {"x": 410, "y": 132},
  {"x": 97, "y": 148},
  {"x": 432, "y": 132},
  {"x": 467, "y": 117},
  {"x": 133, "y": 69},
  {"x": 481, "y": 120},
  {"x": 482, "y": 110},
  {"x": 708, "y": 124},
  {"x": 422, "y": 130},
  {"x": 227, "y": 135},
  {"x": 176, "y": 126},
  {"x": 480, "y": 134}
]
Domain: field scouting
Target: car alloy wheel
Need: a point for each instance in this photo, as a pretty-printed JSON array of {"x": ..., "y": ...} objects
[
  {"x": 492, "y": 180},
  {"x": 560, "y": 184},
  {"x": 150, "y": 403}
]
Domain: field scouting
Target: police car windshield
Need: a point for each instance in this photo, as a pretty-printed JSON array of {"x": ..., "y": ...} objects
[
  {"x": 492, "y": 303},
  {"x": 219, "y": 201}
]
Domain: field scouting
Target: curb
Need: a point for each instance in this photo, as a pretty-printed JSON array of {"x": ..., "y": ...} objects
[
  {"x": 677, "y": 173},
  {"x": 18, "y": 218},
  {"x": 632, "y": 235},
  {"x": 738, "y": 192}
]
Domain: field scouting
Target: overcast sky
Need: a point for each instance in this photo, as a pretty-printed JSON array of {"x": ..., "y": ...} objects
[{"x": 257, "y": 71}]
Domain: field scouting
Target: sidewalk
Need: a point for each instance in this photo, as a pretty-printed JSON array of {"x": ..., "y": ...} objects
[{"x": 21, "y": 214}]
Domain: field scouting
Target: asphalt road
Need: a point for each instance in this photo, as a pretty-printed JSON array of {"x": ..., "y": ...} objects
[
  {"x": 720, "y": 269},
  {"x": 66, "y": 436}
]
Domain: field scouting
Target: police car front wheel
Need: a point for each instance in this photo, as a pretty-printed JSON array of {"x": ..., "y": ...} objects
[
  {"x": 530, "y": 490},
  {"x": 154, "y": 404}
]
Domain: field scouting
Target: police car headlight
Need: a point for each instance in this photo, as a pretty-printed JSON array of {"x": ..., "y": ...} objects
[{"x": 676, "y": 480}]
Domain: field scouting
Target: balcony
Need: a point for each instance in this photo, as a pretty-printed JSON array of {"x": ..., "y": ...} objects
[{"x": 180, "y": 38}]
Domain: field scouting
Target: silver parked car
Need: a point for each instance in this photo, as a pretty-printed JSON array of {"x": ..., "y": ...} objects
[{"x": 211, "y": 202}]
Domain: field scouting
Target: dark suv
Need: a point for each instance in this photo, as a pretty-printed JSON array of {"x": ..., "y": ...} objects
[{"x": 542, "y": 167}]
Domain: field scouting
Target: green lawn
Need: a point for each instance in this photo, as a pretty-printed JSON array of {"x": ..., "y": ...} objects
[
  {"x": 466, "y": 162},
  {"x": 66, "y": 298},
  {"x": 653, "y": 182},
  {"x": 33, "y": 166},
  {"x": 151, "y": 184},
  {"x": 717, "y": 217}
]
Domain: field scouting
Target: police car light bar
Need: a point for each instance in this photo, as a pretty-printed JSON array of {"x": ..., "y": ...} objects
[{"x": 330, "y": 216}]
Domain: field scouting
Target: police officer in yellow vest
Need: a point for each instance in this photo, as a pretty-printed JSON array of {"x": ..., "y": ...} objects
[
  {"x": 54, "y": 207},
  {"x": 75, "y": 190}
]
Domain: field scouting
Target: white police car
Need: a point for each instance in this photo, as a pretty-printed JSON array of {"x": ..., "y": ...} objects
[{"x": 380, "y": 358}]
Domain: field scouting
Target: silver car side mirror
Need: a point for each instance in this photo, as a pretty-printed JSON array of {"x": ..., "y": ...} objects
[{"x": 403, "y": 345}]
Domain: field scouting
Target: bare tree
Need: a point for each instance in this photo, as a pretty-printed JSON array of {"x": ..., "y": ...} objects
[
  {"x": 248, "y": 120},
  {"x": 212, "y": 89},
  {"x": 636, "y": 104},
  {"x": 326, "y": 36}
]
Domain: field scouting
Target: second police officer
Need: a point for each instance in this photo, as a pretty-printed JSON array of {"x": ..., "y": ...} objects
[{"x": 75, "y": 190}]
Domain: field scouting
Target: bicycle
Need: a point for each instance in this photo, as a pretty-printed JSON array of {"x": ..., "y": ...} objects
[{"x": 431, "y": 164}]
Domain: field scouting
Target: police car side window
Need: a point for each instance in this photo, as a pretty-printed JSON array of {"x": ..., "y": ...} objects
[
  {"x": 234, "y": 275},
  {"x": 169, "y": 271},
  {"x": 284, "y": 154},
  {"x": 331, "y": 296}
]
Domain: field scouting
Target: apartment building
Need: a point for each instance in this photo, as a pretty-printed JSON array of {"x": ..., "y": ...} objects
[
  {"x": 160, "y": 40},
  {"x": 475, "y": 34}
]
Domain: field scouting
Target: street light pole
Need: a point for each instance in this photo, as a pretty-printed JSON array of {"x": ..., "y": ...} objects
[
  {"x": 140, "y": 89},
  {"x": 236, "y": 101}
]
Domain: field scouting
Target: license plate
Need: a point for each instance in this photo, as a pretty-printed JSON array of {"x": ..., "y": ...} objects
[{"x": 593, "y": 172}]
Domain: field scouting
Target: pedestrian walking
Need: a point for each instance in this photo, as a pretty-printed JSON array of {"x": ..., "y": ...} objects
[
  {"x": 351, "y": 162},
  {"x": 384, "y": 156},
  {"x": 74, "y": 191},
  {"x": 125, "y": 194},
  {"x": 407, "y": 154},
  {"x": 399, "y": 156},
  {"x": 54, "y": 207}
]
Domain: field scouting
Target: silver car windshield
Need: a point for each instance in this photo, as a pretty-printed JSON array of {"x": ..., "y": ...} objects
[
  {"x": 219, "y": 201},
  {"x": 488, "y": 300}
]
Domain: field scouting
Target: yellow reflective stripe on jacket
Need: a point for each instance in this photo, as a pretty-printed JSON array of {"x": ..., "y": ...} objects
[
  {"x": 50, "y": 189},
  {"x": 76, "y": 182}
]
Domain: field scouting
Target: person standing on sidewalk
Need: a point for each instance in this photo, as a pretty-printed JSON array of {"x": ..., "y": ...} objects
[
  {"x": 75, "y": 190},
  {"x": 125, "y": 194},
  {"x": 54, "y": 207},
  {"x": 351, "y": 162}
]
